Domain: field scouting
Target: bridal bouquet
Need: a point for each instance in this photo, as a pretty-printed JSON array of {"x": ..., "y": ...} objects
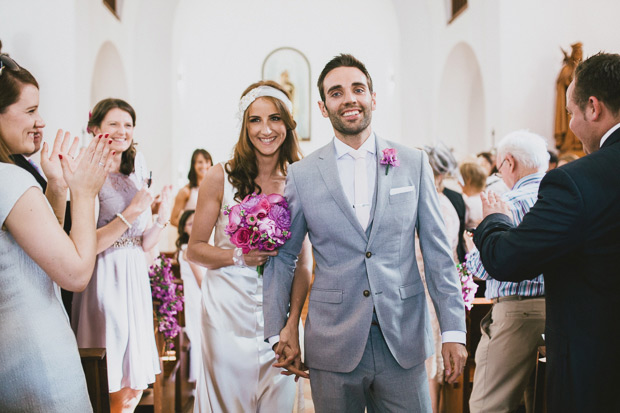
[
  {"x": 259, "y": 222},
  {"x": 169, "y": 299},
  {"x": 468, "y": 285}
]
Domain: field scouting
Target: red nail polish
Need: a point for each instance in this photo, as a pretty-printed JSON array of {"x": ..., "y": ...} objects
[
  {"x": 110, "y": 141},
  {"x": 60, "y": 156},
  {"x": 113, "y": 152},
  {"x": 107, "y": 134},
  {"x": 100, "y": 136}
]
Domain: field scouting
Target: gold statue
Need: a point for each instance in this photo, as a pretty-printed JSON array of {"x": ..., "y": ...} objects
[
  {"x": 565, "y": 139},
  {"x": 286, "y": 83}
]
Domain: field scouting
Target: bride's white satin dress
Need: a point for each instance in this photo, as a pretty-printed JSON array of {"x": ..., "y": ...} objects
[{"x": 237, "y": 373}]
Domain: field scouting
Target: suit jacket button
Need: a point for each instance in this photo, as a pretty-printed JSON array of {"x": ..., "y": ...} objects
[
  {"x": 366, "y": 292},
  {"x": 368, "y": 254}
]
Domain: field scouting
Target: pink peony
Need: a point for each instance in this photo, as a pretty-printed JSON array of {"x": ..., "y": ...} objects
[{"x": 267, "y": 226}]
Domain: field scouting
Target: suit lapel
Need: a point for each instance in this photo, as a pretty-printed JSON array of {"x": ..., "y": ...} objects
[
  {"x": 384, "y": 183},
  {"x": 329, "y": 171}
]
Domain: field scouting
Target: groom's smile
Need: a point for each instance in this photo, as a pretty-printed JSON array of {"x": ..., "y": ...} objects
[{"x": 349, "y": 102}]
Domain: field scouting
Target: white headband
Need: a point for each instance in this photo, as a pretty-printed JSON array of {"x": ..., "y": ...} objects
[{"x": 259, "y": 91}]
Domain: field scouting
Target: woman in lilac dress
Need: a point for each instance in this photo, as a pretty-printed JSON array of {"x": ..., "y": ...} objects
[{"x": 116, "y": 309}]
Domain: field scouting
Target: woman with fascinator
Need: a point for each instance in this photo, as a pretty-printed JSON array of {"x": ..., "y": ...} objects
[{"x": 237, "y": 373}]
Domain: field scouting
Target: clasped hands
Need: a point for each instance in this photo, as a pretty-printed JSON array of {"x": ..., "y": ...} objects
[
  {"x": 288, "y": 355},
  {"x": 454, "y": 359},
  {"x": 288, "y": 352}
]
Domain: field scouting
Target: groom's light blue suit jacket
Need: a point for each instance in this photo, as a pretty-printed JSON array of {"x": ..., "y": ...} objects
[{"x": 359, "y": 270}]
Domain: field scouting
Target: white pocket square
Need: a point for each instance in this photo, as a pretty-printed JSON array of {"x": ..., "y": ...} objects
[{"x": 401, "y": 190}]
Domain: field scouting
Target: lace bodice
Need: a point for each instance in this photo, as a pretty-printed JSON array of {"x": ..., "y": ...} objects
[{"x": 117, "y": 193}]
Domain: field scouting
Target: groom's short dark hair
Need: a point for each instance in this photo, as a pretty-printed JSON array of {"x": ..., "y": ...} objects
[
  {"x": 598, "y": 76},
  {"x": 342, "y": 60}
]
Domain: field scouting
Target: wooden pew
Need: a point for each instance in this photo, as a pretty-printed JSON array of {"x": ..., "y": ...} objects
[
  {"x": 456, "y": 396},
  {"x": 95, "y": 368},
  {"x": 171, "y": 391}
]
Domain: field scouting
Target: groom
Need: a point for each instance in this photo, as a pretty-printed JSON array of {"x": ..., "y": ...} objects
[{"x": 367, "y": 331}]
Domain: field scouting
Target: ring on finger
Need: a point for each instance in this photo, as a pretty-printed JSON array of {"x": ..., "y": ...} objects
[{"x": 101, "y": 163}]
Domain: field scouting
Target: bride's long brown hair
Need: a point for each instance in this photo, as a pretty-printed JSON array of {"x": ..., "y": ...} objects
[{"x": 242, "y": 168}]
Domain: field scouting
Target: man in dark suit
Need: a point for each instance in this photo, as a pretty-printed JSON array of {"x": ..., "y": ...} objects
[{"x": 572, "y": 236}]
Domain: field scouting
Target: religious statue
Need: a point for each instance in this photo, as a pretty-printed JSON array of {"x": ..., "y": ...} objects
[
  {"x": 285, "y": 81},
  {"x": 565, "y": 139}
]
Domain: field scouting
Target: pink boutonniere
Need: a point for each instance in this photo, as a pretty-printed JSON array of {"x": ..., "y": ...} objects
[{"x": 389, "y": 159}]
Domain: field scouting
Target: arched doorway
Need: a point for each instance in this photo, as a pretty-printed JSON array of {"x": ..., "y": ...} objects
[
  {"x": 460, "y": 113},
  {"x": 109, "y": 78}
]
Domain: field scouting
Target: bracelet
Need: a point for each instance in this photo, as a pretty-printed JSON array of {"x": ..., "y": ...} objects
[
  {"x": 122, "y": 218},
  {"x": 238, "y": 257},
  {"x": 162, "y": 226}
]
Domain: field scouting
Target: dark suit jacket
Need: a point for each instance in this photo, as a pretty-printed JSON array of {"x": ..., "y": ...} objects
[
  {"x": 457, "y": 201},
  {"x": 572, "y": 236}
]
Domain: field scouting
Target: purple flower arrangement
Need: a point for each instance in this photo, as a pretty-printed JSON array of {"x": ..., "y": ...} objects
[
  {"x": 169, "y": 296},
  {"x": 259, "y": 222},
  {"x": 468, "y": 285}
]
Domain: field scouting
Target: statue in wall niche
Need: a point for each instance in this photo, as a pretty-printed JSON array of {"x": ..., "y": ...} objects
[
  {"x": 565, "y": 139},
  {"x": 285, "y": 81}
]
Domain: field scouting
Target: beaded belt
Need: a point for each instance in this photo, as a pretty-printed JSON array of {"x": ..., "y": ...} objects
[{"x": 127, "y": 242}]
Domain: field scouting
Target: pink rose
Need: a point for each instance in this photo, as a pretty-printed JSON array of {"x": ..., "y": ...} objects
[{"x": 241, "y": 239}]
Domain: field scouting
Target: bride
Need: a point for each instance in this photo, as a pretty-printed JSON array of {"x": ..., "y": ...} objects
[{"x": 237, "y": 373}]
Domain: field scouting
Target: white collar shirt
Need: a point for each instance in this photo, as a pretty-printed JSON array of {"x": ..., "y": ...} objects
[
  {"x": 346, "y": 166},
  {"x": 608, "y": 134}
]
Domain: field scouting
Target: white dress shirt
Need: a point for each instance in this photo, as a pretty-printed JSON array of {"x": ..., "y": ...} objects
[
  {"x": 608, "y": 134},
  {"x": 346, "y": 167}
]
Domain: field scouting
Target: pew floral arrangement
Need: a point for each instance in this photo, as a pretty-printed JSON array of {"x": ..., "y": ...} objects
[
  {"x": 468, "y": 286},
  {"x": 168, "y": 297},
  {"x": 259, "y": 222}
]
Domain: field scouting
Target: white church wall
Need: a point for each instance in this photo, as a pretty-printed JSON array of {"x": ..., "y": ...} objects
[
  {"x": 517, "y": 46},
  {"x": 207, "y": 52},
  {"x": 47, "y": 49},
  {"x": 532, "y": 34},
  {"x": 451, "y": 73},
  {"x": 219, "y": 48}
]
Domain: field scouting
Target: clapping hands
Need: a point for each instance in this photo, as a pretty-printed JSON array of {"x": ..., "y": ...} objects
[
  {"x": 50, "y": 163},
  {"x": 165, "y": 204},
  {"x": 493, "y": 204},
  {"x": 85, "y": 173}
]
